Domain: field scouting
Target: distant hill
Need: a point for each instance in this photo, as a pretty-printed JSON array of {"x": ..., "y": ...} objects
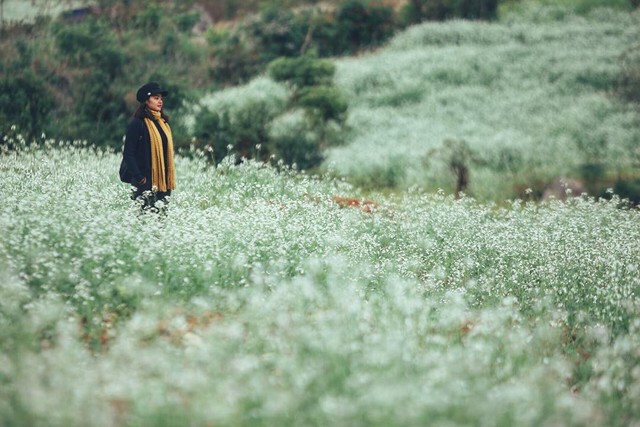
[{"x": 531, "y": 96}]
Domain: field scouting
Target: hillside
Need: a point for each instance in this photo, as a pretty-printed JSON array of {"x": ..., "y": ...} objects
[
  {"x": 496, "y": 109},
  {"x": 519, "y": 103},
  {"x": 532, "y": 96}
]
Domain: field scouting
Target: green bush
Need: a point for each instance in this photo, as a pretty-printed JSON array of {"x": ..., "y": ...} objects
[
  {"x": 26, "y": 103},
  {"x": 238, "y": 129},
  {"x": 274, "y": 33},
  {"x": 149, "y": 18},
  {"x": 187, "y": 20},
  {"x": 214, "y": 133},
  {"x": 323, "y": 103},
  {"x": 234, "y": 60},
  {"x": 362, "y": 25},
  {"x": 78, "y": 43},
  {"x": 302, "y": 72}
]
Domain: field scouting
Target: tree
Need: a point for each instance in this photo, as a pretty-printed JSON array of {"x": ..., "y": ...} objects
[{"x": 458, "y": 157}]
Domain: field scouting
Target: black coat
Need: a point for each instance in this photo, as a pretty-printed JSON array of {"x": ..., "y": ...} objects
[{"x": 137, "y": 152}]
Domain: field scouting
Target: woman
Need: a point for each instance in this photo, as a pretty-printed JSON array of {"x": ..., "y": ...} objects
[{"x": 148, "y": 150}]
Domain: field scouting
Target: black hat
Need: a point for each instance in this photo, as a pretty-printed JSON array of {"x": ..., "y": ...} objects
[{"x": 151, "y": 88}]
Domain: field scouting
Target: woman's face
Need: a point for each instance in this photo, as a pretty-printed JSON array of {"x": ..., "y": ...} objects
[{"x": 154, "y": 103}]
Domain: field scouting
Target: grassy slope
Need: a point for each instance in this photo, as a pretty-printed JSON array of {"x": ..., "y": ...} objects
[{"x": 533, "y": 90}]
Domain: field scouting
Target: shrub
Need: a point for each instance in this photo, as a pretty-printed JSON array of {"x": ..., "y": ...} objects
[
  {"x": 294, "y": 141},
  {"x": 234, "y": 60},
  {"x": 324, "y": 106},
  {"x": 148, "y": 19},
  {"x": 213, "y": 131},
  {"x": 362, "y": 25},
  {"x": 323, "y": 103},
  {"x": 77, "y": 43},
  {"x": 274, "y": 33},
  {"x": 26, "y": 103},
  {"x": 238, "y": 131},
  {"x": 279, "y": 32},
  {"x": 302, "y": 72},
  {"x": 239, "y": 118},
  {"x": 187, "y": 20}
]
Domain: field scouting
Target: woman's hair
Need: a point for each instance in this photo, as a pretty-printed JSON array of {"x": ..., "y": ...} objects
[{"x": 142, "y": 113}]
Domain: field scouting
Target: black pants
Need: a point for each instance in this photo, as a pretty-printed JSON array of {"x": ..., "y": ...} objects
[{"x": 151, "y": 201}]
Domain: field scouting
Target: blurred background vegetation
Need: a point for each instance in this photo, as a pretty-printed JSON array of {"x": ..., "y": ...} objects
[{"x": 70, "y": 69}]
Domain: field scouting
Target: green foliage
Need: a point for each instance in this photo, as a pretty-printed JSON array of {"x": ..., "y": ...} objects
[
  {"x": 362, "y": 24},
  {"x": 278, "y": 32},
  {"x": 296, "y": 131},
  {"x": 187, "y": 20},
  {"x": 234, "y": 60},
  {"x": 92, "y": 65},
  {"x": 240, "y": 131},
  {"x": 244, "y": 51},
  {"x": 323, "y": 103},
  {"x": 274, "y": 33},
  {"x": 303, "y": 71},
  {"x": 98, "y": 112},
  {"x": 415, "y": 11},
  {"x": 25, "y": 102},
  {"x": 78, "y": 43},
  {"x": 238, "y": 120},
  {"x": 311, "y": 82},
  {"x": 148, "y": 19}
]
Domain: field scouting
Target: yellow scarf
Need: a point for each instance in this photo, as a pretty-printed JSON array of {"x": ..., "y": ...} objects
[{"x": 162, "y": 176}]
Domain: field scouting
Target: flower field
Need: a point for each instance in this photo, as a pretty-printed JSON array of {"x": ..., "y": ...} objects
[{"x": 259, "y": 300}]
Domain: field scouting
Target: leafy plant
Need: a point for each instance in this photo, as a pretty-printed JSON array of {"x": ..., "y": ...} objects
[
  {"x": 312, "y": 91},
  {"x": 301, "y": 72},
  {"x": 26, "y": 103},
  {"x": 361, "y": 24}
]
